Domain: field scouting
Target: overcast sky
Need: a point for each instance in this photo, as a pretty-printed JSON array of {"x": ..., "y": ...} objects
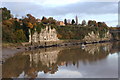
[{"x": 61, "y": 9}]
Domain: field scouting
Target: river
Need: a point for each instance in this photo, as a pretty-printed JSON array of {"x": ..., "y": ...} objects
[{"x": 91, "y": 61}]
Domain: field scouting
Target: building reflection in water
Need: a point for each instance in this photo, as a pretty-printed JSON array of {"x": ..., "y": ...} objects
[{"x": 29, "y": 63}]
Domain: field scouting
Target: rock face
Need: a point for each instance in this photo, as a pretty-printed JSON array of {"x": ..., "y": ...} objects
[
  {"x": 46, "y": 34},
  {"x": 50, "y": 34},
  {"x": 92, "y": 37}
]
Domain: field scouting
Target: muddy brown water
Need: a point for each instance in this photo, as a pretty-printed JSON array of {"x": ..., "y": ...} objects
[{"x": 91, "y": 61}]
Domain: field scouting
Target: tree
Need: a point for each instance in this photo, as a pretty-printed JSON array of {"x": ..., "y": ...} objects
[
  {"x": 7, "y": 34},
  {"x": 99, "y": 24},
  {"x": 16, "y": 25},
  {"x": 6, "y": 14},
  {"x": 30, "y": 25},
  {"x": 51, "y": 20},
  {"x": 73, "y": 21},
  {"x": 102, "y": 24},
  {"x": 89, "y": 22},
  {"x": 65, "y": 21},
  {"x": 92, "y": 23},
  {"x": 83, "y": 22},
  {"x": 20, "y": 35},
  {"x": 44, "y": 20},
  {"x": 31, "y": 18}
]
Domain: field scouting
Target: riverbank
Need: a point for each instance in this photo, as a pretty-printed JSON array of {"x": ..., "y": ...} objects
[
  {"x": 10, "y": 49},
  {"x": 63, "y": 43}
]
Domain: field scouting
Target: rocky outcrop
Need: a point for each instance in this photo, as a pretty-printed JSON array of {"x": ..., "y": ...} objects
[
  {"x": 49, "y": 34},
  {"x": 92, "y": 37},
  {"x": 46, "y": 34}
]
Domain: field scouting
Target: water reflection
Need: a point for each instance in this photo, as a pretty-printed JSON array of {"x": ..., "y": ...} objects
[{"x": 61, "y": 61}]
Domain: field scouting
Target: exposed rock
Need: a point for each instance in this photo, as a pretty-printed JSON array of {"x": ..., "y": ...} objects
[
  {"x": 47, "y": 34},
  {"x": 92, "y": 37}
]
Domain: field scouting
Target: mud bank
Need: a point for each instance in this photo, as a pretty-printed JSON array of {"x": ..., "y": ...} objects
[
  {"x": 11, "y": 51},
  {"x": 63, "y": 43}
]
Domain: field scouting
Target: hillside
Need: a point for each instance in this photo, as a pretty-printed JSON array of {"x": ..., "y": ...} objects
[{"x": 16, "y": 30}]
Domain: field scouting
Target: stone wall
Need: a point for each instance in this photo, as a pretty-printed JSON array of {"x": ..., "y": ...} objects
[{"x": 46, "y": 34}]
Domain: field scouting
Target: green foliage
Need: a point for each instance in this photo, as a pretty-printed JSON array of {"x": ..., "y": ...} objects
[
  {"x": 12, "y": 36},
  {"x": 92, "y": 23},
  {"x": 6, "y": 14},
  {"x": 51, "y": 20},
  {"x": 102, "y": 31},
  {"x": 73, "y": 21},
  {"x": 76, "y": 32},
  {"x": 16, "y": 25},
  {"x": 20, "y": 36},
  {"x": 69, "y": 32},
  {"x": 32, "y": 30},
  {"x": 7, "y": 34},
  {"x": 39, "y": 26},
  {"x": 65, "y": 21},
  {"x": 15, "y": 30}
]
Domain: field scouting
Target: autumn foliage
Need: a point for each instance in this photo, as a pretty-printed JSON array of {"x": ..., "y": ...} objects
[
  {"x": 30, "y": 25},
  {"x": 17, "y": 30}
]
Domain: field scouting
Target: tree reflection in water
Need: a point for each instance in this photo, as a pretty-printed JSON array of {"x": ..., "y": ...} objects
[{"x": 48, "y": 60}]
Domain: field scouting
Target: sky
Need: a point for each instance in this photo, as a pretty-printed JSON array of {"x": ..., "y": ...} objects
[{"x": 61, "y": 9}]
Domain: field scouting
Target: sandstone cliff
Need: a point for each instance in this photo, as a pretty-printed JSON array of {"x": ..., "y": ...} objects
[
  {"x": 92, "y": 37},
  {"x": 50, "y": 34},
  {"x": 46, "y": 34}
]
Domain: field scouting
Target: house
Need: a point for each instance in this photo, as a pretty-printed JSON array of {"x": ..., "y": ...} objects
[{"x": 61, "y": 23}]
